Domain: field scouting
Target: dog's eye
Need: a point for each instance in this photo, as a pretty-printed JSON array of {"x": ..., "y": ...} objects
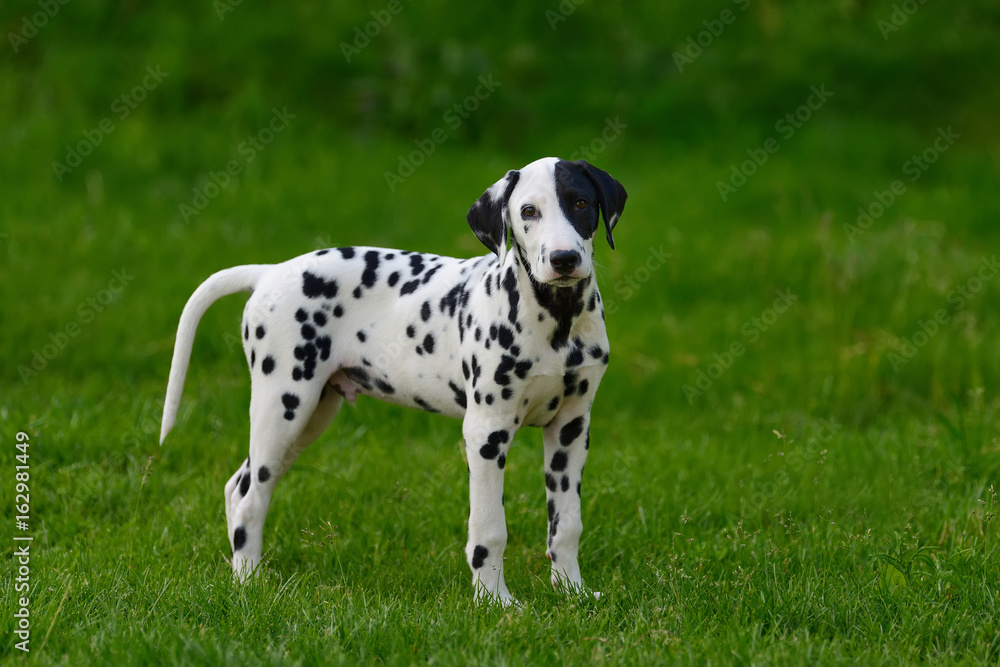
[
  {"x": 581, "y": 204},
  {"x": 528, "y": 211}
]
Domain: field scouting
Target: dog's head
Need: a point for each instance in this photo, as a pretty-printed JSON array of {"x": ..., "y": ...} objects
[{"x": 552, "y": 209}]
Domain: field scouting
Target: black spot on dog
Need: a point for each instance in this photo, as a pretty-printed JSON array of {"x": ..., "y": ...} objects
[
  {"x": 460, "y": 398},
  {"x": 245, "y": 484},
  {"x": 253, "y": 357},
  {"x": 558, "y": 462},
  {"x": 320, "y": 253},
  {"x": 359, "y": 376},
  {"x": 239, "y": 538},
  {"x": 319, "y": 318},
  {"x": 583, "y": 387},
  {"x": 565, "y": 484},
  {"x": 430, "y": 274},
  {"x": 449, "y": 302},
  {"x": 384, "y": 386},
  {"x": 570, "y": 431},
  {"x": 569, "y": 383},
  {"x": 260, "y": 331},
  {"x": 501, "y": 374},
  {"x": 425, "y": 311},
  {"x": 346, "y": 253},
  {"x": 290, "y": 401},
  {"x": 409, "y": 287},
  {"x": 370, "y": 274},
  {"x": 506, "y": 393},
  {"x": 554, "y": 403},
  {"x": 477, "y": 397},
  {"x": 513, "y": 294},
  {"x": 267, "y": 365},
  {"x": 476, "y": 370},
  {"x": 578, "y": 488},
  {"x": 323, "y": 343},
  {"x": 308, "y": 332},
  {"x": 479, "y": 556},
  {"x": 246, "y": 332},
  {"x": 492, "y": 447},
  {"x": 505, "y": 337},
  {"x": 521, "y": 368},
  {"x": 314, "y": 286},
  {"x": 429, "y": 343},
  {"x": 479, "y": 334},
  {"x": 575, "y": 358},
  {"x": 489, "y": 399},
  {"x": 297, "y": 373},
  {"x": 361, "y": 336},
  {"x": 393, "y": 278},
  {"x": 338, "y": 311},
  {"x": 263, "y": 474},
  {"x": 411, "y": 331},
  {"x": 604, "y": 359},
  {"x": 501, "y": 462},
  {"x": 424, "y": 405},
  {"x": 550, "y": 482},
  {"x": 465, "y": 369},
  {"x": 301, "y": 315}
]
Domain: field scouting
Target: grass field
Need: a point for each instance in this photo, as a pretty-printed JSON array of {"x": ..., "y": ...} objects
[{"x": 796, "y": 448}]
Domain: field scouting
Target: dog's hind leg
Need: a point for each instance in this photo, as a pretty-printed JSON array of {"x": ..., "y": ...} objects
[{"x": 282, "y": 424}]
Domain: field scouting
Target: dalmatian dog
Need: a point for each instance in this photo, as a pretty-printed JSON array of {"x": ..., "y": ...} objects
[{"x": 511, "y": 339}]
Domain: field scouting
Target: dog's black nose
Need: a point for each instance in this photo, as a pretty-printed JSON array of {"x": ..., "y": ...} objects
[{"x": 564, "y": 261}]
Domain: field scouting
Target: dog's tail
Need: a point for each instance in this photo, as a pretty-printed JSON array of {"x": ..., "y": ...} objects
[{"x": 223, "y": 283}]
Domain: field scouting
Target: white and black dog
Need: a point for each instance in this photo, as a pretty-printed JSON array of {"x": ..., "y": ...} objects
[{"x": 507, "y": 340}]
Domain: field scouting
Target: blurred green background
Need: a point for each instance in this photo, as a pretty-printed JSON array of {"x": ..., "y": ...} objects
[{"x": 672, "y": 99}]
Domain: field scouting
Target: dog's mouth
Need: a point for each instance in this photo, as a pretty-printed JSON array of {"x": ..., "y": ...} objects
[{"x": 565, "y": 281}]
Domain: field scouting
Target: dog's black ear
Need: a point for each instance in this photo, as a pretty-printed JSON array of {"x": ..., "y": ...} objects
[
  {"x": 488, "y": 216},
  {"x": 610, "y": 195}
]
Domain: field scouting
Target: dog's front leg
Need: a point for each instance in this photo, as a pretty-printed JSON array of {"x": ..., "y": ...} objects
[
  {"x": 487, "y": 440},
  {"x": 567, "y": 439}
]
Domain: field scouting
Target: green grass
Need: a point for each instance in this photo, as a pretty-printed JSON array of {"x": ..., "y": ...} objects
[{"x": 820, "y": 501}]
